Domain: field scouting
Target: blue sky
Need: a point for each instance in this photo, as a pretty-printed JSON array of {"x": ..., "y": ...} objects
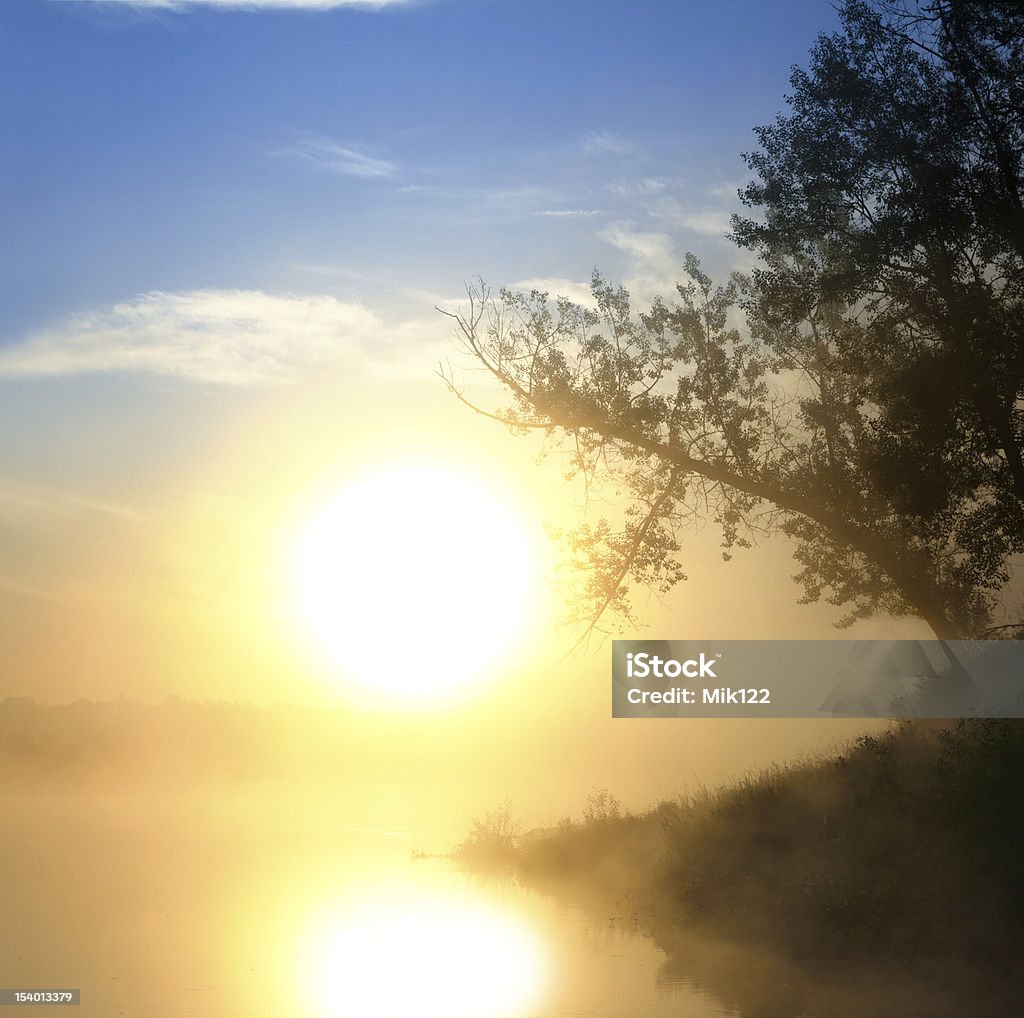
[{"x": 380, "y": 154}]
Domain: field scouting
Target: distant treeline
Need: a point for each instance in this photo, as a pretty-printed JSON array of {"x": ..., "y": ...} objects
[{"x": 125, "y": 742}]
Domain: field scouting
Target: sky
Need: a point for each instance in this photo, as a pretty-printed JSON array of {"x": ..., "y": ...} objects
[
  {"x": 227, "y": 230},
  {"x": 377, "y": 155}
]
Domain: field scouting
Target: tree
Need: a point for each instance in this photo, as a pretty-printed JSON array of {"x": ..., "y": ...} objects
[
  {"x": 871, "y": 405},
  {"x": 893, "y": 244}
]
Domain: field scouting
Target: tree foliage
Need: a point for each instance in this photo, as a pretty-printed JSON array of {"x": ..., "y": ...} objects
[
  {"x": 892, "y": 239},
  {"x": 861, "y": 391}
]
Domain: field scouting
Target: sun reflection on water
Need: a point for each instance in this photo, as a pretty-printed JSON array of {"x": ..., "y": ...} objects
[{"x": 422, "y": 955}]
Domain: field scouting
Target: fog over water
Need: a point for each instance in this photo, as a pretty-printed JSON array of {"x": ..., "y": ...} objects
[
  {"x": 214, "y": 905},
  {"x": 271, "y": 904}
]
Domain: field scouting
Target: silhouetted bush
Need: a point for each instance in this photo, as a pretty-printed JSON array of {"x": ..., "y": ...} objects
[
  {"x": 906, "y": 844},
  {"x": 492, "y": 841}
]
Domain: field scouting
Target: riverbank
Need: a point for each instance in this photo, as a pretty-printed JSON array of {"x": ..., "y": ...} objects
[{"x": 902, "y": 849}]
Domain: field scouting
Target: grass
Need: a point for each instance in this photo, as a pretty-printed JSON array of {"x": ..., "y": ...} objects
[
  {"x": 492, "y": 843},
  {"x": 908, "y": 845}
]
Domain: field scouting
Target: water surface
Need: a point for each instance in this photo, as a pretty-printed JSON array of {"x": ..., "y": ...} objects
[
  {"x": 170, "y": 906},
  {"x": 276, "y": 904}
]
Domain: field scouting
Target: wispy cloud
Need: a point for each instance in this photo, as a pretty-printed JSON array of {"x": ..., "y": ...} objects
[
  {"x": 569, "y": 213},
  {"x": 512, "y": 196},
  {"x": 248, "y": 4},
  {"x": 229, "y": 337},
  {"x": 478, "y": 205},
  {"x": 643, "y": 245},
  {"x": 14, "y": 585},
  {"x": 559, "y": 286},
  {"x": 35, "y": 500},
  {"x": 642, "y": 188},
  {"x": 332, "y": 157},
  {"x": 654, "y": 264},
  {"x": 727, "y": 191},
  {"x": 596, "y": 143},
  {"x": 707, "y": 220}
]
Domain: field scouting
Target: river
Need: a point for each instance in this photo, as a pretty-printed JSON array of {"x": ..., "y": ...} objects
[{"x": 163, "y": 907}]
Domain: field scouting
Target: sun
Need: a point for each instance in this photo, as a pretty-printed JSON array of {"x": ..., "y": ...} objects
[{"x": 415, "y": 580}]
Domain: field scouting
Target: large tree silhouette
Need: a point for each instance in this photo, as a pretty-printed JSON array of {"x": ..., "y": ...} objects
[{"x": 870, "y": 404}]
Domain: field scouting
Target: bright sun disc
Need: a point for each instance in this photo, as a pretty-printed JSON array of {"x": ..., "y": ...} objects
[{"x": 414, "y": 580}]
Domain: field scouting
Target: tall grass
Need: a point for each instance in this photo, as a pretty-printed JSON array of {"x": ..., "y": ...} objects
[
  {"x": 909, "y": 844},
  {"x": 492, "y": 841}
]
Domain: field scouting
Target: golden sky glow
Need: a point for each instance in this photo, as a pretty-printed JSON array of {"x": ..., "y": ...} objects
[
  {"x": 167, "y": 565},
  {"x": 156, "y": 542}
]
